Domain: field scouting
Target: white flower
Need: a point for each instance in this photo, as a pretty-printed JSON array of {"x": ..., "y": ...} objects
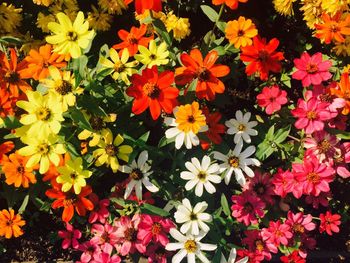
[
  {"x": 236, "y": 161},
  {"x": 138, "y": 172},
  {"x": 192, "y": 218},
  {"x": 241, "y": 127},
  {"x": 189, "y": 245},
  {"x": 232, "y": 258},
  {"x": 200, "y": 175}
]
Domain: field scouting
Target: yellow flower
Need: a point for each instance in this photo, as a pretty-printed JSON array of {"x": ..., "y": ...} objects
[
  {"x": 99, "y": 20},
  {"x": 111, "y": 150},
  {"x": 179, "y": 26},
  {"x": 69, "y": 7},
  {"x": 312, "y": 12},
  {"x": 333, "y": 6},
  {"x": 342, "y": 49},
  {"x": 73, "y": 175},
  {"x": 153, "y": 55},
  {"x": 120, "y": 66},
  {"x": 43, "y": 151},
  {"x": 43, "y": 20},
  {"x": 112, "y": 6},
  {"x": 43, "y": 2},
  {"x": 62, "y": 86},
  {"x": 240, "y": 32},
  {"x": 69, "y": 38},
  {"x": 144, "y": 17},
  {"x": 10, "y": 18},
  {"x": 284, "y": 7},
  {"x": 98, "y": 125}
]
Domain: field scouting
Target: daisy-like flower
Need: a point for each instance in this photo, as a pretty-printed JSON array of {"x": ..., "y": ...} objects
[
  {"x": 232, "y": 258},
  {"x": 68, "y": 37},
  {"x": 178, "y": 25},
  {"x": 330, "y": 223},
  {"x": 121, "y": 69},
  {"x": 333, "y": 28},
  {"x": 189, "y": 121},
  {"x": 201, "y": 175},
  {"x": 241, "y": 127},
  {"x": 240, "y": 32},
  {"x": 70, "y": 237},
  {"x": 277, "y": 233},
  {"x": 138, "y": 173},
  {"x": 189, "y": 246},
  {"x": 153, "y": 55},
  {"x": 10, "y": 224},
  {"x": 193, "y": 218},
  {"x": 109, "y": 151},
  {"x": 272, "y": 98},
  {"x": 284, "y": 7},
  {"x": 237, "y": 161},
  {"x": 99, "y": 20},
  {"x": 233, "y": 4},
  {"x": 73, "y": 175}
]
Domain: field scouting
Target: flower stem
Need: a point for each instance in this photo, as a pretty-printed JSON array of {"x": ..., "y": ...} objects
[{"x": 216, "y": 22}]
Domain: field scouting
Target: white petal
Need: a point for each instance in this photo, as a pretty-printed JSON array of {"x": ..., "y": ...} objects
[
  {"x": 150, "y": 187},
  {"x": 191, "y": 167},
  {"x": 191, "y": 258},
  {"x": 174, "y": 246},
  {"x": 216, "y": 179},
  {"x": 201, "y": 256},
  {"x": 190, "y": 184},
  {"x": 246, "y": 117},
  {"x": 196, "y": 163},
  {"x": 187, "y": 175},
  {"x": 238, "y": 148},
  {"x": 248, "y": 171},
  {"x": 239, "y": 116},
  {"x": 205, "y": 162},
  {"x": 186, "y": 227},
  {"x": 179, "y": 140},
  {"x": 199, "y": 189},
  {"x": 220, "y": 156},
  {"x": 129, "y": 188},
  {"x": 142, "y": 159},
  {"x": 209, "y": 188},
  {"x": 172, "y": 132},
  {"x": 200, "y": 207},
  {"x": 207, "y": 247},
  {"x": 177, "y": 235},
  {"x": 248, "y": 152},
  {"x": 179, "y": 256}
]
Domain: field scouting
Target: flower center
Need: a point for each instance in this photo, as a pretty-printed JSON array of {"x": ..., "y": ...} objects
[
  {"x": 233, "y": 161},
  {"x": 151, "y": 89},
  {"x": 12, "y": 77},
  {"x": 132, "y": 40},
  {"x": 313, "y": 177},
  {"x": 43, "y": 114},
  {"x": 334, "y": 28},
  {"x": 111, "y": 150},
  {"x": 311, "y": 115},
  {"x": 156, "y": 228},
  {"x": 326, "y": 98},
  {"x": 193, "y": 216},
  {"x": 136, "y": 174},
  {"x": 241, "y": 127},
  {"x": 248, "y": 207},
  {"x": 202, "y": 176},
  {"x": 9, "y": 222},
  {"x": 43, "y": 149},
  {"x": 72, "y": 35},
  {"x": 130, "y": 234},
  {"x": 190, "y": 246},
  {"x": 191, "y": 119},
  {"x": 263, "y": 56},
  {"x": 298, "y": 228},
  {"x": 324, "y": 146},
  {"x": 73, "y": 176},
  {"x": 153, "y": 56},
  {"x": 64, "y": 87},
  {"x": 96, "y": 123},
  {"x": 20, "y": 169},
  {"x": 240, "y": 33},
  {"x": 311, "y": 68},
  {"x": 104, "y": 237},
  {"x": 259, "y": 245},
  {"x": 119, "y": 67},
  {"x": 259, "y": 188},
  {"x": 203, "y": 74}
]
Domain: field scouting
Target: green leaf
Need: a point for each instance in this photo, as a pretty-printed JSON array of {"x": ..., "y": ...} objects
[
  {"x": 210, "y": 13},
  {"x": 11, "y": 122},
  {"x": 24, "y": 204},
  {"x": 221, "y": 25},
  {"x": 221, "y": 50},
  {"x": 192, "y": 86},
  {"x": 269, "y": 135},
  {"x": 150, "y": 209},
  {"x": 144, "y": 137},
  {"x": 264, "y": 150},
  {"x": 282, "y": 134},
  {"x": 163, "y": 33},
  {"x": 225, "y": 206},
  {"x": 78, "y": 117},
  {"x": 10, "y": 40}
]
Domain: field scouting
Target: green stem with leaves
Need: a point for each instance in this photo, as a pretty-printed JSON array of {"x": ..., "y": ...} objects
[{"x": 216, "y": 23}]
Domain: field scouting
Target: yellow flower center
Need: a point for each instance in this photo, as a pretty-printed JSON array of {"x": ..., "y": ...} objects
[
  {"x": 313, "y": 177},
  {"x": 311, "y": 68},
  {"x": 298, "y": 228},
  {"x": 190, "y": 246},
  {"x": 156, "y": 228},
  {"x": 43, "y": 148},
  {"x": 43, "y": 114},
  {"x": 241, "y": 127},
  {"x": 72, "y": 35},
  {"x": 311, "y": 115},
  {"x": 233, "y": 161},
  {"x": 202, "y": 176},
  {"x": 324, "y": 146},
  {"x": 151, "y": 89},
  {"x": 119, "y": 67}
]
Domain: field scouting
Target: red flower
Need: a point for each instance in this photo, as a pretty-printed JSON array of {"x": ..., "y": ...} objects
[
  {"x": 329, "y": 223},
  {"x": 5, "y": 147},
  {"x": 142, "y": 5},
  {"x": 215, "y": 129},
  {"x": 132, "y": 40},
  {"x": 262, "y": 57},
  {"x": 233, "y": 4},
  {"x": 272, "y": 98},
  {"x": 293, "y": 258},
  {"x": 153, "y": 91},
  {"x": 207, "y": 73}
]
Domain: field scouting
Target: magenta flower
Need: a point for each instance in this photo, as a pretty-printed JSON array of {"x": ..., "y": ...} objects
[
  {"x": 100, "y": 212},
  {"x": 321, "y": 144},
  {"x": 258, "y": 245},
  {"x": 321, "y": 199},
  {"x": 311, "y": 115},
  {"x": 127, "y": 229},
  {"x": 261, "y": 185},
  {"x": 277, "y": 233},
  {"x": 341, "y": 159},
  {"x": 329, "y": 223},
  {"x": 312, "y": 70},
  {"x": 313, "y": 175},
  {"x": 300, "y": 223},
  {"x": 283, "y": 182},
  {"x": 104, "y": 257},
  {"x": 90, "y": 250},
  {"x": 247, "y": 207},
  {"x": 154, "y": 228},
  {"x": 104, "y": 235},
  {"x": 70, "y": 237},
  {"x": 272, "y": 98}
]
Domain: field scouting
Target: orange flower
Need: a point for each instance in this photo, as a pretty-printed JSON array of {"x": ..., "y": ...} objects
[
  {"x": 332, "y": 28},
  {"x": 10, "y": 74},
  {"x": 52, "y": 173},
  {"x": 10, "y": 224},
  {"x": 205, "y": 71},
  {"x": 132, "y": 40},
  {"x": 142, "y": 5},
  {"x": 16, "y": 171},
  {"x": 6, "y": 104},
  {"x": 39, "y": 62},
  {"x": 343, "y": 91},
  {"x": 5, "y": 148},
  {"x": 240, "y": 32},
  {"x": 233, "y": 4}
]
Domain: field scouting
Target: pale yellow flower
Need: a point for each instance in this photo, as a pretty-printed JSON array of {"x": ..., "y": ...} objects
[{"x": 179, "y": 26}]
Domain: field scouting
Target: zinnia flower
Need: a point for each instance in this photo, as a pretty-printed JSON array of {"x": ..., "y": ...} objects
[
  {"x": 329, "y": 223},
  {"x": 277, "y": 233},
  {"x": 10, "y": 224},
  {"x": 284, "y": 7},
  {"x": 100, "y": 212},
  {"x": 333, "y": 28},
  {"x": 343, "y": 91},
  {"x": 153, "y": 55},
  {"x": 142, "y": 5},
  {"x": 312, "y": 70},
  {"x": 70, "y": 237},
  {"x": 206, "y": 72},
  {"x": 241, "y": 127},
  {"x": 5, "y": 147},
  {"x": 272, "y": 98},
  {"x": 240, "y": 32},
  {"x": 233, "y": 4},
  {"x": 215, "y": 129},
  {"x": 105, "y": 236}
]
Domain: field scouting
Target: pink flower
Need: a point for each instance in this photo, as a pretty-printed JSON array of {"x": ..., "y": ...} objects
[
  {"x": 311, "y": 115},
  {"x": 272, "y": 98},
  {"x": 90, "y": 250},
  {"x": 257, "y": 244},
  {"x": 312, "y": 70},
  {"x": 329, "y": 223},
  {"x": 106, "y": 258},
  {"x": 104, "y": 235},
  {"x": 154, "y": 228},
  {"x": 261, "y": 185},
  {"x": 341, "y": 159},
  {"x": 254, "y": 257},
  {"x": 321, "y": 144},
  {"x": 70, "y": 237},
  {"x": 100, "y": 212},
  {"x": 285, "y": 182},
  {"x": 157, "y": 254},
  {"x": 277, "y": 233},
  {"x": 313, "y": 175},
  {"x": 127, "y": 235},
  {"x": 300, "y": 223},
  {"x": 247, "y": 207},
  {"x": 321, "y": 199}
]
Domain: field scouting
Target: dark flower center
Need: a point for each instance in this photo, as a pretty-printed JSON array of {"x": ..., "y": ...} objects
[
  {"x": 43, "y": 148},
  {"x": 12, "y": 77},
  {"x": 43, "y": 114},
  {"x": 324, "y": 146},
  {"x": 20, "y": 169},
  {"x": 203, "y": 74},
  {"x": 240, "y": 33},
  {"x": 298, "y": 228},
  {"x": 191, "y": 119},
  {"x": 248, "y": 207},
  {"x": 64, "y": 88},
  {"x": 132, "y": 40},
  {"x": 136, "y": 174},
  {"x": 193, "y": 216},
  {"x": 72, "y": 36},
  {"x": 311, "y": 68},
  {"x": 202, "y": 176},
  {"x": 130, "y": 234},
  {"x": 111, "y": 150},
  {"x": 151, "y": 89},
  {"x": 96, "y": 123},
  {"x": 263, "y": 56}
]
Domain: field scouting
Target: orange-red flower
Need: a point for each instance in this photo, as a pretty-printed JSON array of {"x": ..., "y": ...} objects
[
  {"x": 205, "y": 71},
  {"x": 10, "y": 76},
  {"x": 262, "y": 57},
  {"x": 38, "y": 62},
  {"x": 6, "y": 104},
  {"x": 70, "y": 201},
  {"x": 233, "y": 4},
  {"x": 333, "y": 28},
  {"x": 52, "y": 173},
  {"x": 5, "y": 148},
  {"x": 10, "y": 224},
  {"x": 215, "y": 129},
  {"x": 153, "y": 91},
  {"x": 16, "y": 172},
  {"x": 142, "y": 5},
  {"x": 343, "y": 91},
  {"x": 132, "y": 39}
]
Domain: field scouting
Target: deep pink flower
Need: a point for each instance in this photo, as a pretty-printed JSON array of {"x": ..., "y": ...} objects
[
  {"x": 277, "y": 233},
  {"x": 311, "y": 115},
  {"x": 104, "y": 235},
  {"x": 285, "y": 182},
  {"x": 70, "y": 237},
  {"x": 104, "y": 257},
  {"x": 247, "y": 207},
  {"x": 127, "y": 235},
  {"x": 312, "y": 70},
  {"x": 300, "y": 223},
  {"x": 341, "y": 159},
  {"x": 254, "y": 257},
  {"x": 292, "y": 258},
  {"x": 313, "y": 175},
  {"x": 157, "y": 254},
  {"x": 100, "y": 212},
  {"x": 90, "y": 250},
  {"x": 321, "y": 199},
  {"x": 154, "y": 228},
  {"x": 272, "y": 98},
  {"x": 261, "y": 185},
  {"x": 329, "y": 223},
  {"x": 257, "y": 244},
  {"x": 321, "y": 144}
]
